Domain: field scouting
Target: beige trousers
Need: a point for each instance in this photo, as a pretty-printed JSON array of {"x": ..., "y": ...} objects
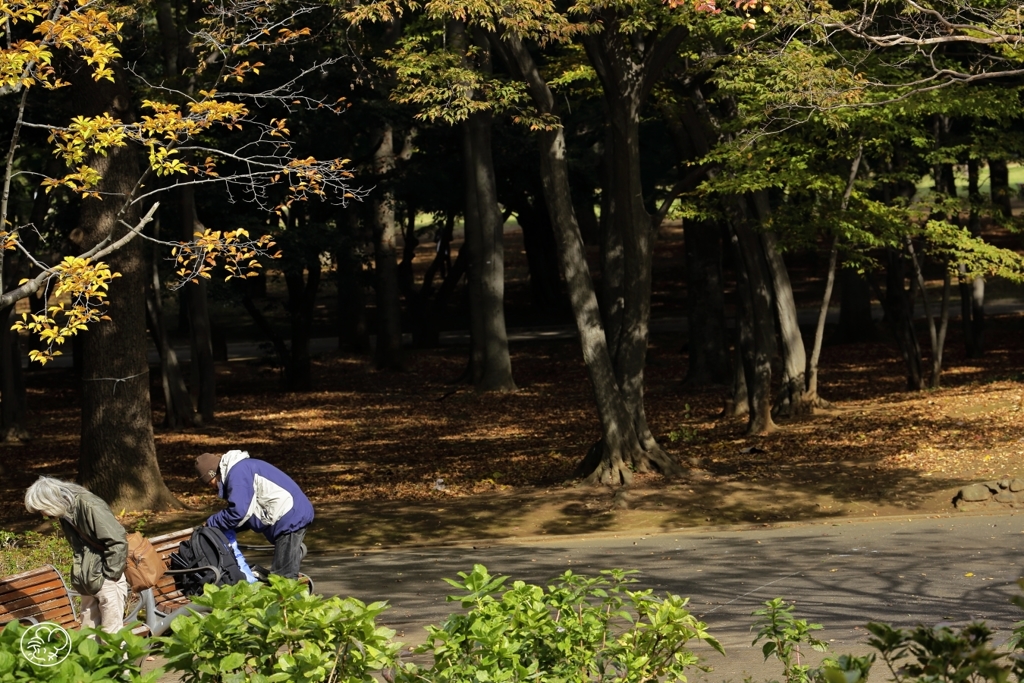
[{"x": 106, "y": 608}]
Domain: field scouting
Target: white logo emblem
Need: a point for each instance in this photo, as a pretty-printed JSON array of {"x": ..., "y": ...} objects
[{"x": 45, "y": 644}]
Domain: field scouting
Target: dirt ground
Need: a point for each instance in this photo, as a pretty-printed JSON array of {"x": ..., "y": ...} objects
[{"x": 409, "y": 458}]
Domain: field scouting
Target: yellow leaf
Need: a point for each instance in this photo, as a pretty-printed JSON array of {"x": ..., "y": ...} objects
[{"x": 969, "y": 574}]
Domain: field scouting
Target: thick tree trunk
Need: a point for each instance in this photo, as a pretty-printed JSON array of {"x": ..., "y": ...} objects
[
  {"x": 12, "y": 380},
  {"x": 117, "y": 456},
  {"x": 705, "y": 300},
  {"x": 627, "y": 72},
  {"x": 613, "y": 267},
  {"x": 388, "y": 353},
  {"x": 491, "y": 365},
  {"x": 620, "y": 451}
]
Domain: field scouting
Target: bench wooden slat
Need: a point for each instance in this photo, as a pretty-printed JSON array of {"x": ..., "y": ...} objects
[{"x": 40, "y": 594}]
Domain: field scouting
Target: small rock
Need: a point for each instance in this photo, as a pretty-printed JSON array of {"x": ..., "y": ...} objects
[
  {"x": 1016, "y": 485},
  {"x": 1006, "y": 497},
  {"x": 1004, "y": 484},
  {"x": 974, "y": 493}
]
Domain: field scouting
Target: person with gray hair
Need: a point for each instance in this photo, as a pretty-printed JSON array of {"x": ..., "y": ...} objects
[{"x": 99, "y": 543}]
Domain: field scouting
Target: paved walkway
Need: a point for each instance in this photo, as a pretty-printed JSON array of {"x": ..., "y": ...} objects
[{"x": 842, "y": 574}]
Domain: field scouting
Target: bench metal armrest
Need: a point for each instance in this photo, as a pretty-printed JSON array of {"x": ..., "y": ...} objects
[
  {"x": 193, "y": 570},
  {"x": 158, "y": 622}
]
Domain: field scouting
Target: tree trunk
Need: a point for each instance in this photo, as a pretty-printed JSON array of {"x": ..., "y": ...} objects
[
  {"x": 793, "y": 399},
  {"x": 972, "y": 289},
  {"x": 856, "y": 323},
  {"x": 179, "y": 411},
  {"x": 899, "y": 313},
  {"x": 491, "y": 365},
  {"x": 626, "y": 76},
  {"x": 301, "y": 307},
  {"x": 12, "y": 380},
  {"x": 541, "y": 255},
  {"x": 999, "y": 185},
  {"x": 353, "y": 331},
  {"x": 708, "y": 349},
  {"x": 117, "y": 456},
  {"x": 819, "y": 331},
  {"x": 425, "y": 307},
  {"x": 754, "y": 292},
  {"x": 388, "y": 353},
  {"x": 203, "y": 369},
  {"x": 620, "y": 451}
]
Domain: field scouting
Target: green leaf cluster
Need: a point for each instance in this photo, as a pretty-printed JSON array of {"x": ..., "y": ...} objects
[
  {"x": 95, "y": 657},
  {"x": 259, "y": 633},
  {"x": 577, "y": 628}
]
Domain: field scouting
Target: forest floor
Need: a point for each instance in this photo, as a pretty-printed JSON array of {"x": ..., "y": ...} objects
[
  {"x": 410, "y": 458},
  {"x": 413, "y": 458}
]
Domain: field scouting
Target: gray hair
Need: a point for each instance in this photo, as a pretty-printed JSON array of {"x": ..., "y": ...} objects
[{"x": 52, "y": 497}]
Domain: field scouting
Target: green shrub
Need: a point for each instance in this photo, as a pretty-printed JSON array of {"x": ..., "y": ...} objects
[
  {"x": 94, "y": 657},
  {"x": 924, "y": 654},
  {"x": 259, "y": 633},
  {"x": 22, "y": 552},
  {"x": 577, "y": 629}
]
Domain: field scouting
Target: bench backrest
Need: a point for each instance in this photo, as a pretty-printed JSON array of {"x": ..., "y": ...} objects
[
  {"x": 40, "y": 594},
  {"x": 165, "y": 591}
]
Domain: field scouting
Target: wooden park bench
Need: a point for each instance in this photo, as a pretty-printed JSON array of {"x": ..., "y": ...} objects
[
  {"x": 37, "y": 595},
  {"x": 41, "y": 594}
]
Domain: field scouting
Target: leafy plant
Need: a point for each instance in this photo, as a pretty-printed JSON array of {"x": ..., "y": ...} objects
[
  {"x": 279, "y": 632},
  {"x": 685, "y": 433},
  {"x": 937, "y": 655},
  {"x": 784, "y": 634},
  {"x": 94, "y": 657},
  {"x": 576, "y": 629}
]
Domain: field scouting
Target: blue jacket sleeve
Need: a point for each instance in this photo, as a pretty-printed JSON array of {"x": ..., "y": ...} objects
[{"x": 238, "y": 490}]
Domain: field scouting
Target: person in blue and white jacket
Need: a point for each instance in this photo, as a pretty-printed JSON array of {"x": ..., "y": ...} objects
[{"x": 261, "y": 498}]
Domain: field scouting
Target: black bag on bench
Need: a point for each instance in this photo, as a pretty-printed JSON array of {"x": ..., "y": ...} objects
[{"x": 207, "y": 547}]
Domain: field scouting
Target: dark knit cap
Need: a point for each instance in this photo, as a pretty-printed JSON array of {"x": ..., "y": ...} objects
[{"x": 207, "y": 465}]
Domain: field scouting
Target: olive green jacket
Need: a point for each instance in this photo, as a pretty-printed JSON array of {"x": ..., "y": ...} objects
[{"x": 98, "y": 541}]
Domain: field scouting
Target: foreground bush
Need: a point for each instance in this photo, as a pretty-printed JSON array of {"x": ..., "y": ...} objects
[
  {"x": 94, "y": 657},
  {"x": 575, "y": 629},
  {"x": 924, "y": 654},
  {"x": 257, "y": 633}
]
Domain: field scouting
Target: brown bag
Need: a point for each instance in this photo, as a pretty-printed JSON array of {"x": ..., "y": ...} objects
[{"x": 144, "y": 568}]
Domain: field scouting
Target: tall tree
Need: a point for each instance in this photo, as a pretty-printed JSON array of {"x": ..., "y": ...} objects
[{"x": 117, "y": 457}]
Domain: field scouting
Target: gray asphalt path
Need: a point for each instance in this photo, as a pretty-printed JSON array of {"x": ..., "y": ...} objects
[{"x": 842, "y": 574}]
